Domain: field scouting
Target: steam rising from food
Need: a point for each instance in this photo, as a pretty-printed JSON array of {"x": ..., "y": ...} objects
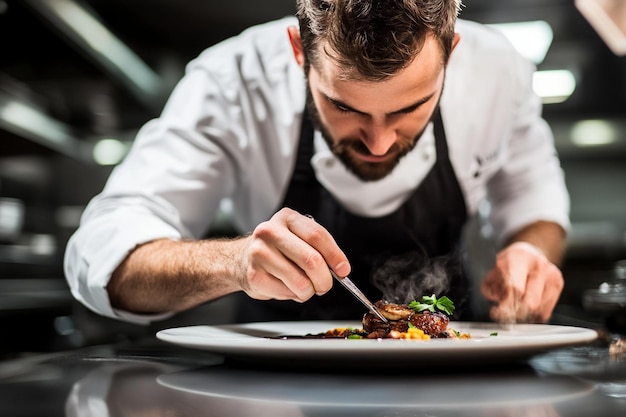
[{"x": 406, "y": 277}]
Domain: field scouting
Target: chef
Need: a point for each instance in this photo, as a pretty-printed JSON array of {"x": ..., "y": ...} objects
[{"x": 358, "y": 136}]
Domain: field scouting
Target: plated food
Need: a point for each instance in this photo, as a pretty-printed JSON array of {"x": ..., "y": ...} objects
[{"x": 418, "y": 320}]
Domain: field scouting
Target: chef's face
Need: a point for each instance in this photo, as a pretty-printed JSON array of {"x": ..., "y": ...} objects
[{"x": 371, "y": 125}]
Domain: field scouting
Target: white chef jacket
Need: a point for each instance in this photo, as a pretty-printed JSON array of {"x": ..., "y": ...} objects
[{"x": 229, "y": 132}]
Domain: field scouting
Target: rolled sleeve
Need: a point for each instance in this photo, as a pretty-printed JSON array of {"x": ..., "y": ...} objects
[
  {"x": 100, "y": 246},
  {"x": 530, "y": 187}
]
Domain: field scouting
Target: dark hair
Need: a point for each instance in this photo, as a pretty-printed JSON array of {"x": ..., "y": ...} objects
[{"x": 374, "y": 39}]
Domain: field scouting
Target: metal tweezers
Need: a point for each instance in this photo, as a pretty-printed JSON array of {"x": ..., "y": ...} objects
[{"x": 349, "y": 285}]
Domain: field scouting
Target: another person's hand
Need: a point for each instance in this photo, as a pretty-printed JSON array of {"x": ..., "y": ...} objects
[
  {"x": 287, "y": 258},
  {"x": 524, "y": 285}
]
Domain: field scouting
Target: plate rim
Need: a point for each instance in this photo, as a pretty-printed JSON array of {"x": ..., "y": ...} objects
[{"x": 234, "y": 340}]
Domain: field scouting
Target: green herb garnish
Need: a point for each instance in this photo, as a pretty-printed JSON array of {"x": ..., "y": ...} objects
[{"x": 432, "y": 303}]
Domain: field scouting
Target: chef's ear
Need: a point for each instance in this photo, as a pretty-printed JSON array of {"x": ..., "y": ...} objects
[
  {"x": 296, "y": 45},
  {"x": 455, "y": 42}
]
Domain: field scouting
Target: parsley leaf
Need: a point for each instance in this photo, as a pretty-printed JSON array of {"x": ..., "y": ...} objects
[{"x": 432, "y": 303}]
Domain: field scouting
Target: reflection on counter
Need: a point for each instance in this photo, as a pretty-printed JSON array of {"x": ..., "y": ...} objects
[
  {"x": 139, "y": 382},
  {"x": 468, "y": 392}
]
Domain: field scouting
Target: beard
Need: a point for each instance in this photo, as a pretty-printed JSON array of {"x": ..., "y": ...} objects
[{"x": 345, "y": 148}]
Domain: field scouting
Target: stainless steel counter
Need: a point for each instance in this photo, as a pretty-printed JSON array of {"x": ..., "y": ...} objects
[{"x": 155, "y": 379}]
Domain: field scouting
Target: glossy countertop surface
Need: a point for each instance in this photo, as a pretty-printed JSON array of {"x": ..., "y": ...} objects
[{"x": 153, "y": 378}]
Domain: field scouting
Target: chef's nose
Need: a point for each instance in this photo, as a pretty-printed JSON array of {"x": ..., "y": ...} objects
[{"x": 379, "y": 138}]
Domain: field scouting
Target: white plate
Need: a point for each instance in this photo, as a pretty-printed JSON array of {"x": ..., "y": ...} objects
[{"x": 489, "y": 342}]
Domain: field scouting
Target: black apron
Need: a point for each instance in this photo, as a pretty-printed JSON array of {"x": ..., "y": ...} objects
[{"x": 413, "y": 251}]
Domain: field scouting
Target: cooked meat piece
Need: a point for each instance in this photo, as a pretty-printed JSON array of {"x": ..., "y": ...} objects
[
  {"x": 432, "y": 324},
  {"x": 392, "y": 311},
  {"x": 397, "y": 315},
  {"x": 372, "y": 323}
]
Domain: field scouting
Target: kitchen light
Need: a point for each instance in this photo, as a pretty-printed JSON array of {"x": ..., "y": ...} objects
[
  {"x": 89, "y": 33},
  {"x": 109, "y": 151},
  {"x": 28, "y": 121},
  {"x": 593, "y": 133},
  {"x": 531, "y": 39},
  {"x": 554, "y": 86}
]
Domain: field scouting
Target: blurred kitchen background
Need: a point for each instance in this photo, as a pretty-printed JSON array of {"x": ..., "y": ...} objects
[{"x": 79, "y": 77}]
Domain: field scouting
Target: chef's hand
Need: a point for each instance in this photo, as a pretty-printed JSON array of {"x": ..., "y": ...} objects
[
  {"x": 287, "y": 258},
  {"x": 524, "y": 285}
]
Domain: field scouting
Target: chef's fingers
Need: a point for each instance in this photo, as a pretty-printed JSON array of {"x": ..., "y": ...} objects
[
  {"x": 265, "y": 286},
  {"x": 271, "y": 274},
  {"x": 515, "y": 269},
  {"x": 493, "y": 286},
  {"x": 323, "y": 241},
  {"x": 552, "y": 292},
  {"x": 495, "y": 289},
  {"x": 506, "y": 284},
  {"x": 508, "y": 276},
  {"x": 543, "y": 289},
  {"x": 317, "y": 254},
  {"x": 320, "y": 241},
  {"x": 307, "y": 245},
  {"x": 510, "y": 310},
  {"x": 530, "y": 285}
]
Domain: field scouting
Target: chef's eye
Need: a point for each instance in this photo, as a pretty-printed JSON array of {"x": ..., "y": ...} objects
[
  {"x": 409, "y": 110},
  {"x": 343, "y": 109}
]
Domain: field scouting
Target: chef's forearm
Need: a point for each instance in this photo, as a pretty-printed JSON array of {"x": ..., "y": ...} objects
[
  {"x": 548, "y": 237},
  {"x": 166, "y": 276}
]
